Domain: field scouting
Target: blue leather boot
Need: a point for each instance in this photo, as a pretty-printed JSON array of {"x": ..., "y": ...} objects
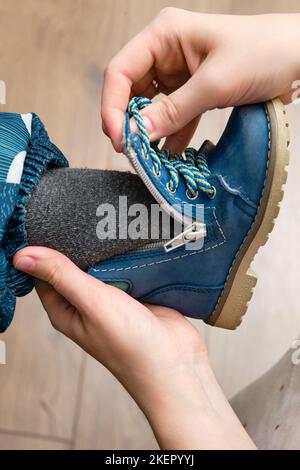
[{"x": 228, "y": 198}]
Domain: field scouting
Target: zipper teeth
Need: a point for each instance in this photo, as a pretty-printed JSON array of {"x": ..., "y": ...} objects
[
  {"x": 148, "y": 246},
  {"x": 152, "y": 189}
]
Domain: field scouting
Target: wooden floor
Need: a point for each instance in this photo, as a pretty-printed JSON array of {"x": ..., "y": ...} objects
[{"x": 53, "y": 396}]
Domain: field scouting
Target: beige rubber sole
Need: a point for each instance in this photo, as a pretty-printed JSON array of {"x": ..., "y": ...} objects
[{"x": 234, "y": 300}]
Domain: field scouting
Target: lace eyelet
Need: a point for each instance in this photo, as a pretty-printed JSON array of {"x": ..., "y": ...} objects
[
  {"x": 170, "y": 190},
  {"x": 146, "y": 157},
  {"x": 191, "y": 198},
  {"x": 156, "y": 173},
  {"x": 214, "y": 193}
]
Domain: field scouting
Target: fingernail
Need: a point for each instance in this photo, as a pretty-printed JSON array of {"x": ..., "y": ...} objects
[
  {"x": 25, "y": 264},
  {"x": 133, "y": 127},
  {"x": 147, "y": 123}
]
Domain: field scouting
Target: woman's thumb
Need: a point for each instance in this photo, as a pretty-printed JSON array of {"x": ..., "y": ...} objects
[{"x": 61, "y": 273}]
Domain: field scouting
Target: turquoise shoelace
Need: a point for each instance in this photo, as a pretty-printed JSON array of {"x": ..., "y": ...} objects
[{"x": 191, "y": 165}]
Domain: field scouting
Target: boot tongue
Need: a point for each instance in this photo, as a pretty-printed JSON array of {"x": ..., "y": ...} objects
[{"x": 207, "y": 148}]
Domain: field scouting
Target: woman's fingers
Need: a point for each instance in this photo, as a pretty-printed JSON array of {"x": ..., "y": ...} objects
[
  {"x": 203, "y": 91},
  {"x": 127, "y": 68},
  {"x": 179, "y": 141}
]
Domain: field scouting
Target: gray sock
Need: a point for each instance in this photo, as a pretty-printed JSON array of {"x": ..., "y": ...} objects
[{"x": 61, "y": 213}]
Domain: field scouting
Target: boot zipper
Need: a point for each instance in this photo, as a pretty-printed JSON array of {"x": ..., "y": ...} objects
[{"x": 195, "y": 231}]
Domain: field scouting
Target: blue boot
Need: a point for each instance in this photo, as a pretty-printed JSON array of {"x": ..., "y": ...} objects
[{"x": 227, "y": 196}]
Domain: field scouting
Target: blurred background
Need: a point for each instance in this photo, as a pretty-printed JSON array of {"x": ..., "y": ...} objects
[{"x": 52, "y": 395}]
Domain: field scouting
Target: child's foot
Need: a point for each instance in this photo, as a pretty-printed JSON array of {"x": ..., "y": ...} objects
[{"x": 239, "y": 185}]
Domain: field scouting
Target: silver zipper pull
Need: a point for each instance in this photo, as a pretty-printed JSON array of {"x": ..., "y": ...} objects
[{"x": 193, "y": 232}]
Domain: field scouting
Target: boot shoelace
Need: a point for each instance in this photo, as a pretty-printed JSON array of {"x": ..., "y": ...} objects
[{"x": 191, "y": 165}]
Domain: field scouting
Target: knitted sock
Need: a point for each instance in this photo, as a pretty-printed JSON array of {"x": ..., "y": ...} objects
[{"x": 62, "y": 213}]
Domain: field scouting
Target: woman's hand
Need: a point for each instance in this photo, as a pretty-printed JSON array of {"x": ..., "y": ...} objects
[
  {"x": 200, "y": 62},
  {"x": 156, "y": 353}
]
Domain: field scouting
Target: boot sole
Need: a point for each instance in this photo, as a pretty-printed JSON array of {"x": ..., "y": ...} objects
[{"x": 237, "y": 293}]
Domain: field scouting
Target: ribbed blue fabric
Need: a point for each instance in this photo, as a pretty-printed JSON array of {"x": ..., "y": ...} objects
[{"x": 41, "y": 154}]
